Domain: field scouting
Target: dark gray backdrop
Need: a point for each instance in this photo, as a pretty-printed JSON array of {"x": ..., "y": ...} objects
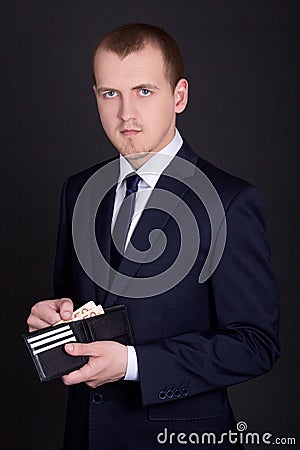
[{"x": 241, "y": 63}]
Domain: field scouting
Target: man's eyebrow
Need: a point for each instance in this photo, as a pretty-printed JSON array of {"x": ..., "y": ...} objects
[
  {"x": 104, "y": 89},
  {"x": 146, "y": 86}
]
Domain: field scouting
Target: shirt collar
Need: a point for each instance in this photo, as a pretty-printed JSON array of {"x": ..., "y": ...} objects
[{"x": 153, "y": 168}]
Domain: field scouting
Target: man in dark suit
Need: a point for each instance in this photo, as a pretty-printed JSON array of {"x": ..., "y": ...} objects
[{"x": 192, "y": 339}]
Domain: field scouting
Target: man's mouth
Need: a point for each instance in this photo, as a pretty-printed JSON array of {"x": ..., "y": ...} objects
[{"x": 130, "y": 132}]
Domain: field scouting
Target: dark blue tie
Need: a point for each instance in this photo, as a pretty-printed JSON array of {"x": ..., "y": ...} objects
[{"x": 123, "y": 220}]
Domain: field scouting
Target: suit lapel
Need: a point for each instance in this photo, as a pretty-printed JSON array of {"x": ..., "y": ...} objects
[{"x": 103, "y": 233}]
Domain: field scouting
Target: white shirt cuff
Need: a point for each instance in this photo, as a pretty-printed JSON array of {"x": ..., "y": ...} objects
[{"x": 132, "y": 372}]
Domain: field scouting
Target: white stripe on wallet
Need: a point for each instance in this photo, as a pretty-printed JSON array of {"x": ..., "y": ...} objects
[
  {"x": 62, "y": 335},
  {"x": 49, "y": 333},
  {"x": 56, "y": 344}
]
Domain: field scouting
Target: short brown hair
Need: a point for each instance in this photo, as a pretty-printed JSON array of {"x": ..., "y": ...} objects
[{"x": 133, "y": 37}]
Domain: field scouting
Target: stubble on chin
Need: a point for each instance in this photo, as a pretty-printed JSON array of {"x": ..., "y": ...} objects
[{"x": 135, "y": 155}]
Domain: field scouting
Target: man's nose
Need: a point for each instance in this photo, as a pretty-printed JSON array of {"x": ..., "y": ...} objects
[{"x": 127, "y": 110}]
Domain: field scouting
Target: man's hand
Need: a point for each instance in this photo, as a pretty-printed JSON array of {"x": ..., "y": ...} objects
[
  {"x": 107, "y": 363},
  {"x": 48, "y": 312}
]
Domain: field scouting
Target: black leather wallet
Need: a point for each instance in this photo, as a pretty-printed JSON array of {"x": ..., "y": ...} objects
[{"x": 46, "y": 346}]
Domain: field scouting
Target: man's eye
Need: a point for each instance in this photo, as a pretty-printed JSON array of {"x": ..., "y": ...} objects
[
  {"x": 145, "y": 92},
  {"x": 110, "y": 94}
]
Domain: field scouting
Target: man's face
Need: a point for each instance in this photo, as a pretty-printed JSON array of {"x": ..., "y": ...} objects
[{"x": 136, "y": 103}]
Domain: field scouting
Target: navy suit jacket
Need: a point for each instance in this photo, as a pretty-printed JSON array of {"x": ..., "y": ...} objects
[{"x": 192, "y": 341}]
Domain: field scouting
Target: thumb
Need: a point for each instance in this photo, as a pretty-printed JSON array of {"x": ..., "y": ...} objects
[
  {"x": 77, "y": 349},
  {"x": 65, "y": 308}
]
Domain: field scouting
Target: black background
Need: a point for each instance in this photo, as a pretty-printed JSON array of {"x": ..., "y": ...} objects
[{"x": 240, "y": 59}]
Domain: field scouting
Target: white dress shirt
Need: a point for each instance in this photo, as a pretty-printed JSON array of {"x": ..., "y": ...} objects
[{"x": 149, "y": 173}]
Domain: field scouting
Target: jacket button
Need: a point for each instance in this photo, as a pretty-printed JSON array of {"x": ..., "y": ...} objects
[
  {"x": 170, "y": 393},
  {"x": 162, "y": 395},
  {"x": 177, "y": 393},
  {"x": 184, "y": 391},
  {"x": 97, "y": 398}
]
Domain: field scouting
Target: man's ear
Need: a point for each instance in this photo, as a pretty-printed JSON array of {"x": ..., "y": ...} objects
[
  {"x": 181, "y": 95},
  {"x": 95, "y": 90}
]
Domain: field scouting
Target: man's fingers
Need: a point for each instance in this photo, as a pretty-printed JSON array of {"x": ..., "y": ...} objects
[
  {"x": 78, "y": 376},
  {"x": 43, "y": 314},
  {"x": 107, "y": 363},
  {"x": 65, "y": 307},
  {"x": 37, "y": 324},
  {"x": 48, "y": 312},
  {"x": 78, "y": 349}
]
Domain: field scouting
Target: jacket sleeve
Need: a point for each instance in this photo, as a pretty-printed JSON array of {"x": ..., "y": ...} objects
[{"x": 244, "y": 342}]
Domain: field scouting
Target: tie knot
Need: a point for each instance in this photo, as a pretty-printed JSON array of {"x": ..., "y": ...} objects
[{"x": 132, "y": 184}]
